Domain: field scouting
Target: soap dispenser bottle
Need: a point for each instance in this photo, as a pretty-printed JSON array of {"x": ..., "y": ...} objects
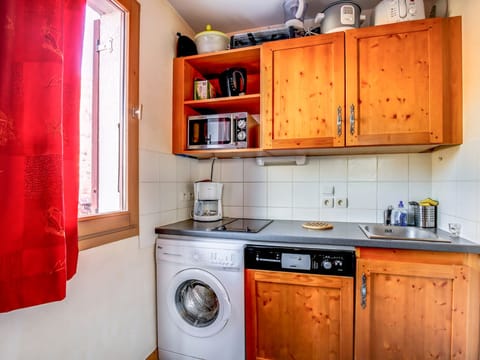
[{"x": 399, "y": 215}]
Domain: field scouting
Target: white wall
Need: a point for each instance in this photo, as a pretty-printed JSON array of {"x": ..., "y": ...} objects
[
  {"x": 456, "y": 171},
  {"x": 109, "y": 312}
]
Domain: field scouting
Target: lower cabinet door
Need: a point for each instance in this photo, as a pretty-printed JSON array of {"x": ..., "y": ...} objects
[
  {"x": 298, "y": 316},
  {"x": 413, "y": 310}
]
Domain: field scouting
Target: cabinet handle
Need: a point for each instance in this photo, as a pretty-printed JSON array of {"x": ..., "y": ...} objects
[
  {"x": 352, "y": 119},
  {"x": 363, "y": 291},
  {"x": 339, "y": 121}
]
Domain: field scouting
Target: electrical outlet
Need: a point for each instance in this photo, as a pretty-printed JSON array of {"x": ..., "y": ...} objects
[
  {"x": 341, "y": 202},
  {"x": 327, "y": 202}
]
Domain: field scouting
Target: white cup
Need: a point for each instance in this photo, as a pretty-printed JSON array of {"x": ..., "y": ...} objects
[{"x": 454, "y": 229}]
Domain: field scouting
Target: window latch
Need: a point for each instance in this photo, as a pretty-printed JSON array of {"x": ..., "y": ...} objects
[
  {"x": 137, "y": 112},
  {"x": 106, "y": 45}
]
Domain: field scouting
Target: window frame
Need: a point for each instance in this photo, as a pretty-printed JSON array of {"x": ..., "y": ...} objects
[{"x": 96, "y": 230}]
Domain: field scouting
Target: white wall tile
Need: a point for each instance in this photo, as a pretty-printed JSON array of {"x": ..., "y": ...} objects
[
  {"x": 149, "y": 166},
  {"x": 390, "y": 193},
  {"x": 168, "y": 168},
  {"x": 420, "y": 167},
  {"x": 203, "y": 170},
  {"x": 333, "y": 168},
  {"x": 168, "y": 196},
  {"x": 280, "y": 173},
  {"x": 392, "y": 168},
  {"x": 362, "y": 168},
  {"x": 419, "y": 190},
  {"x": 357, "y": 215},
  {"x": 362, "y": 195},
  {"x": 445, "y": 193},
  {"x": 308, "y": 172},
  {"x": 280, "y": 194},
  {"x": 255, "y": 194},
  {"x": 468, "y": 165},
  {"x": 183, "y": 169},
  {"x": 233, "y": 194},
  {"x": 333, "y": 214},
  {"x": 149, "y": 198},
  {"x": 305, "y": 195},
  {"x": 255, "y": 212},
  {"x": 280, "y": 213},
  {"x": 306, "y": 214},
  {"x": 233, "y": 211},
  {"x": 252, "y": 172},
  {"x": 467, "y": 201},
  {"x": 231, "y": 170},
  {"x": 184, "y": 187},
  {"x": 443, "y": 164}
]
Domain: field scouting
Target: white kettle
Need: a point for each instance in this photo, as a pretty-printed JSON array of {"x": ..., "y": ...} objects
[{"x": 294, "y": 11}]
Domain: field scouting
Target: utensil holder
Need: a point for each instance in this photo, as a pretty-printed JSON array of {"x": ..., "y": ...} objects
[{"x": 426, "y": 216}]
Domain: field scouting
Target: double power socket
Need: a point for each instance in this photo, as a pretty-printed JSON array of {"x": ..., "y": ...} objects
[{"x": 330, "y": 201}]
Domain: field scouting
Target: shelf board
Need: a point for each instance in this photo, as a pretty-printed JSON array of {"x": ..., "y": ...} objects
[
  {"x": 249, "y": 103},
  {"x": 248, "y": 58}
]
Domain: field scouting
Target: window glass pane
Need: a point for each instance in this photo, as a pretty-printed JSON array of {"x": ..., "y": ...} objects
[{"x": 102, "y": 113}]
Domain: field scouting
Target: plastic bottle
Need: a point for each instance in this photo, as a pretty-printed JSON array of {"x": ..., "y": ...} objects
[{"x": 399, "y": 215}]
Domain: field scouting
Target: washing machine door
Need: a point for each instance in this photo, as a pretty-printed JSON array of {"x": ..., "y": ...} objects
[{"x": 198, "y": 302}]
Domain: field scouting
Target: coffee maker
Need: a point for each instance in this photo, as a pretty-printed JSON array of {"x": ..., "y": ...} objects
[{"x": 208, "y": 201}]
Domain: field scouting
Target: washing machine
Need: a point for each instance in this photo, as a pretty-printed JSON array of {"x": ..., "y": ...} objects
[{"x": 200, "y": 299}]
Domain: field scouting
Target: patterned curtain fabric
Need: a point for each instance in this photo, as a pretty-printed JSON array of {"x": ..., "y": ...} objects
[{"x": 40, "y": 63}]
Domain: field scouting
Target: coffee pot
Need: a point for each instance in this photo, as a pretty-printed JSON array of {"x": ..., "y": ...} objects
[{"x": 207, "y": 204}]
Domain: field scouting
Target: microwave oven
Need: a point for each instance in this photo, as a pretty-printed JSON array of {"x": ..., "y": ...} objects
[{"x": 222, "y": 131}]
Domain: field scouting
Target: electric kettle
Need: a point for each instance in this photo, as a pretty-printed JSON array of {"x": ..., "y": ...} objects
[{"x": 233, "y": 82}]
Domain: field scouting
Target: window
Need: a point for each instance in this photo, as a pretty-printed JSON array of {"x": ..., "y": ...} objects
[{"x": 108, "y": 192}]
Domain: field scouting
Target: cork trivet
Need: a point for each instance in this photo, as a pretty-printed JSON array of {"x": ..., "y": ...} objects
[{"x": 317, "y": 225}]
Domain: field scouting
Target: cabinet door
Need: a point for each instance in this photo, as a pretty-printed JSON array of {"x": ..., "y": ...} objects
[
  {"x": 303, "y": 92},
  {"x": 298, "y": 316},
  {"x": 404, "y": 83},
  {"x": 409, "y": 310}
]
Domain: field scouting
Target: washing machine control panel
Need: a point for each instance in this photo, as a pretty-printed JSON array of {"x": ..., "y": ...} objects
[{"x": 216, "y": 258}]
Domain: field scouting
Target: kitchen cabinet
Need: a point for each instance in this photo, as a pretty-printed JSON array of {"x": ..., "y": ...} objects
[
  {"x": 416, "y": 305},
  {"x": 396, "y": 84},
  {"x": 303, "y": 98},
  {"x": 208, "y": 67},
  {"x": 296, "y": 315}
]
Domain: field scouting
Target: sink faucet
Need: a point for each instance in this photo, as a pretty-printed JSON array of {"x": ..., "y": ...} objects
[{"x": 387, "y": 215}]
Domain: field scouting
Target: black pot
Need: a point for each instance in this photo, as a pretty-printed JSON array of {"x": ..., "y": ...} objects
[{"x": 185, "y": 46}]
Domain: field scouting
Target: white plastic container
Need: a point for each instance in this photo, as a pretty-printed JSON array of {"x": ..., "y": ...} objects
[{"x": 211, "y": 40}]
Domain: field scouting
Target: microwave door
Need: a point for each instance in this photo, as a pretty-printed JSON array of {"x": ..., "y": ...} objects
[{"x": 220, "y": 131}]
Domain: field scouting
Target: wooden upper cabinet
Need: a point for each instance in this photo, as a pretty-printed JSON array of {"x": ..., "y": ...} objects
[
  {"x": 416, "y": 305},
  {"x": 303, "y": 92},
  {"x": 403, "y": 83}
]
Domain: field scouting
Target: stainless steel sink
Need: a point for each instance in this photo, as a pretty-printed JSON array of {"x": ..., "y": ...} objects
[{"x": 378, "y": 231}]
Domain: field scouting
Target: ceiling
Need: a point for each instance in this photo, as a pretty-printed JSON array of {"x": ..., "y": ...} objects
[{"x": 235, "y": 15}]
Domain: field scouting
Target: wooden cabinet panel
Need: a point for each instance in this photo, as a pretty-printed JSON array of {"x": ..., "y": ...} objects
[
  {"x": 399, "y": 84},
  {"x": 303, "y": 92},
  {"x": 298, "y": 316},
  {"x": 415, "y": 309}
]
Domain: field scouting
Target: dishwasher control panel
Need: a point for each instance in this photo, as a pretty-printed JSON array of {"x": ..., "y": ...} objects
[{"x": 304, "y": 260}]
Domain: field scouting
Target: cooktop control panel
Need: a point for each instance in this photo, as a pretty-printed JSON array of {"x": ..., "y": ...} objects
[{"x": 315, "y": 261}]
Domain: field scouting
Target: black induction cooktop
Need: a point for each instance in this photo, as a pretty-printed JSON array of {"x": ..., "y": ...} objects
[{"x": 243, "y": 225}]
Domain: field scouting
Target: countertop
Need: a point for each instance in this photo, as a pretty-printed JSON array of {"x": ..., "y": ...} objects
[{"x": 291, "y": 233}]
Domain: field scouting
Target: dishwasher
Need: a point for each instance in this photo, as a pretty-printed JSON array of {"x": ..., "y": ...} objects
[{"x": 299, "y": 302}]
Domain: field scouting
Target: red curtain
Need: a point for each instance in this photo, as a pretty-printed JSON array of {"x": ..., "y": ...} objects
[{"x": 40, "y": 63}]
